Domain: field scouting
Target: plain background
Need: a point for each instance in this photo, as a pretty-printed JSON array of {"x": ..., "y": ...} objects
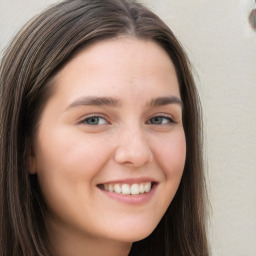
[{"x": 222, "y": 47}]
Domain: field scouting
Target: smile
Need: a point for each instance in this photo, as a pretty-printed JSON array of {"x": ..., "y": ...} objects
[{"x": 128, "y": 189}]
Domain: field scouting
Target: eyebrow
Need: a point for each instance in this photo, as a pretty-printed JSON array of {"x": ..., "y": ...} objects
[
  {"x": 161, "y": 101},
  {"x": 113, "y": 102},
  {"x": 95, "y": 101}
]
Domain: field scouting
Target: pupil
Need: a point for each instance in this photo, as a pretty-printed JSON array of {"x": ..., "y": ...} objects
[
  {"x": 93, "y": 120},
  {"x": 157, "y": 120}
]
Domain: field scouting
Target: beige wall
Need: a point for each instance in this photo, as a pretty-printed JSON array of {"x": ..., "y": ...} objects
[{"x": 222, "y": 47}]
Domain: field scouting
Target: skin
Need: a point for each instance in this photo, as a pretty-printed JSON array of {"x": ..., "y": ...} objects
[{"x": 72, "y": 153}]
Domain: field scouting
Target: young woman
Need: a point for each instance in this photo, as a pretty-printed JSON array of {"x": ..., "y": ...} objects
[{"x": 100, "y": 137}]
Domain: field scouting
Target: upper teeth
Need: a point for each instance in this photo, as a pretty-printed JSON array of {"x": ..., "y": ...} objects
[{"x": 126, "y": 189}]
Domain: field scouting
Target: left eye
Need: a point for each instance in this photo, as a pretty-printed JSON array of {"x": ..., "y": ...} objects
[
  {"x": 95, "y": 120},
  {"x": 160, "y": 120}
]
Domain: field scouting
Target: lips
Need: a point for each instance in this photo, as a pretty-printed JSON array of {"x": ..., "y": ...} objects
[{"x": 132, "y": 192}]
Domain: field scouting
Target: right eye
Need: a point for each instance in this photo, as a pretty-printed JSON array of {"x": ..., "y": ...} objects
[{"x": 94, "y": 120}]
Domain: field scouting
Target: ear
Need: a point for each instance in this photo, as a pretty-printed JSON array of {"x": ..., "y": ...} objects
[
  {"x": 32, "y": 166},
  {"x": 31, "y": 159}
]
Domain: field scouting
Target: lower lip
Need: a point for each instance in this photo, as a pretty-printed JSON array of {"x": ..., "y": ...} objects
[{"x": 131, "y": 199}]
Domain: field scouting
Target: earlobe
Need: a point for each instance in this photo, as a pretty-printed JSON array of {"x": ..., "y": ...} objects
[
  {"x": 32, "y": 165},
  {"x": 31, "y": 156}
]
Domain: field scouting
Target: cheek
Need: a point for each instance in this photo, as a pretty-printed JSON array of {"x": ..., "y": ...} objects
[
  {"x": 173, "y": 155},
  {"x": 170, "y": 158},
  {"x": 66, "y": 161},
  {"x": 64, "y": 151}
]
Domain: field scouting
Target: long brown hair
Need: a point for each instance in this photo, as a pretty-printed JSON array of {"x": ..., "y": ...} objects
[{"x": 27, "y": 71}]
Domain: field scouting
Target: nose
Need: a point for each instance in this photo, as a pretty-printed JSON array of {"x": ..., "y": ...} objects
[{"x": 133, "y": 148}]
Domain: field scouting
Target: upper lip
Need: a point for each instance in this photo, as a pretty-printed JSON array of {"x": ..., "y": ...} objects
[{"x": 130, "y": 181}]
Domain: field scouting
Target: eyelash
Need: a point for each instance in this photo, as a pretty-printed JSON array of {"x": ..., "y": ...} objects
[
  {"x": 168, "y": 118},
  {"x": 85, "y": 120}
]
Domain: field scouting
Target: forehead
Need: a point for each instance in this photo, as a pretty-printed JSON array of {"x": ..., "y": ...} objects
[{"x": 118, "y": 64}]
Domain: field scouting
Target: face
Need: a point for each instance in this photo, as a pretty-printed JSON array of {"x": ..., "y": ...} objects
[{"x": 110, "y": 149}]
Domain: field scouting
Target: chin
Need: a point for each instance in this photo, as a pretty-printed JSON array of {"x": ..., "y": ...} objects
[{"x": 134, "y": 234}]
